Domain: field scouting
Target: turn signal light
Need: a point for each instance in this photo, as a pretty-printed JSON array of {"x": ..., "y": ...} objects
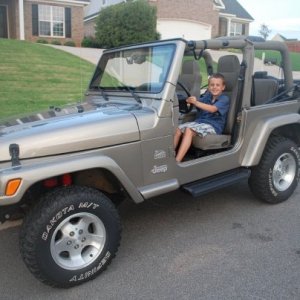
[{"x": 12, "y": 186}]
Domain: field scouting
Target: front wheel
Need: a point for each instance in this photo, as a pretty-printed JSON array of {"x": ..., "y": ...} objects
[
  {"x": 276, "y": 177},
  {"x": 70, "y": 236}
]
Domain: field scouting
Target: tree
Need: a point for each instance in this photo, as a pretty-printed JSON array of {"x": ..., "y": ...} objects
[
  {"x": 264, "y": 31},
  {"x": 126, "y": 23}
]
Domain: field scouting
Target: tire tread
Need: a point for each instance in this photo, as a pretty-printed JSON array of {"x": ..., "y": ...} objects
[
  {"x": 30, "y": 230},
  {"x": 257, "y": 180}
]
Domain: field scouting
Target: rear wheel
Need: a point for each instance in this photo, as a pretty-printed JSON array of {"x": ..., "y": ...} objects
[
  {"x": 277, "y": 175},
  {"x": 70, "y": 236}
]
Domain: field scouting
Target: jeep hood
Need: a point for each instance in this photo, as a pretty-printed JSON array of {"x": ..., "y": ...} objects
[{"x": 69, "y": 133}]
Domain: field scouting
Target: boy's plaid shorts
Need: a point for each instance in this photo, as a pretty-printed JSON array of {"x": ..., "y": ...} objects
[{"x": 201, "y": 129}]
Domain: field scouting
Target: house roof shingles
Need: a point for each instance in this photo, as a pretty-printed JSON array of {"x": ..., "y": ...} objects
[{"x": 233, "y": 7}]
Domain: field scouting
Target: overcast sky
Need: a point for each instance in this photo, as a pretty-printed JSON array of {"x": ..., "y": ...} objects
[{"x": 281, "y": 16}]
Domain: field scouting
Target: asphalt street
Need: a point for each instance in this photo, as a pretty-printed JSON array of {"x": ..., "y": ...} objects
[{"x": 224, "y": 245}]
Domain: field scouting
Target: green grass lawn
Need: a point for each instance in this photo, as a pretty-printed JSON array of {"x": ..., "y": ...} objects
[
  {"x": 35, "y": 76},
  {"x": 295, "y": 57}
]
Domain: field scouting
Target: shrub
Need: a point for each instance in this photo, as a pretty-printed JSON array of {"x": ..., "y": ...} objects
[
  {"x": 55, "y": 42},
  {"x": 126, "y": 23},
  {"x": 70, "y": 44},
  {"x": 42, "y": 41},
  {"x": 90, "y": 42}
]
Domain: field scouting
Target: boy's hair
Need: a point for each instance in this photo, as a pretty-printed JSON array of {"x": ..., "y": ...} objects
[{"x": 217, "y": 76}]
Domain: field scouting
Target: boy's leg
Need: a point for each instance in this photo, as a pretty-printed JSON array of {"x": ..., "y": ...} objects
[
  {"x": 177, "y": 137},
  {"x": 185, "y": 144}
]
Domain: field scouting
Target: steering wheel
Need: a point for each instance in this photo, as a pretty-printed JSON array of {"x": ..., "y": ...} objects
[{"x": 184, "y": 107}]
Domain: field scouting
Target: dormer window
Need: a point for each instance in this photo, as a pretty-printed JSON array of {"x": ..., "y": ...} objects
[{"x": 218, "y": 4}]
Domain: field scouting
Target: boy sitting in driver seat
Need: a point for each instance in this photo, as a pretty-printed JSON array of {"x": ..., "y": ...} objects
[{"x": 211, "y": 118}]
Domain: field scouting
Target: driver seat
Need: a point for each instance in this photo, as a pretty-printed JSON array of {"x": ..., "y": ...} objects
[
  {"x": 229, "y": 67},
  {"x": 190, "y": 77}
]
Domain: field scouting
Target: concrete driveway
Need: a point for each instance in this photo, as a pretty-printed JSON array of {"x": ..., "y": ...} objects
[{"x": 90, "y": 54}]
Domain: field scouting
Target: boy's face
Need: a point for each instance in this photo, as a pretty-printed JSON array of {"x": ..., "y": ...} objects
[{"x": 216, "y": 86}]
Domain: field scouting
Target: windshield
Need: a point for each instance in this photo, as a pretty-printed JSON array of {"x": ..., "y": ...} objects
[{"x": 141, "y": 70}]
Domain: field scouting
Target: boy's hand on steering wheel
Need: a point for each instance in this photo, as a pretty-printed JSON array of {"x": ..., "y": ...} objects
[{"x": 191, "y": 100}]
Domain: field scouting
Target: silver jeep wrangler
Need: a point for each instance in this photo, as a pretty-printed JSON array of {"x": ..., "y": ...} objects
[{"x": 69, "y": 167}]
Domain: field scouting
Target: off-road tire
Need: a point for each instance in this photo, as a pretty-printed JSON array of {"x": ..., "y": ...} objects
[
  {"x": 70, "y": 236},
  {"x": 275, "y": 178}
]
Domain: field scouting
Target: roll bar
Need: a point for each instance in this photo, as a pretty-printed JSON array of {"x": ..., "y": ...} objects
[{"x": 241, "y": 43}]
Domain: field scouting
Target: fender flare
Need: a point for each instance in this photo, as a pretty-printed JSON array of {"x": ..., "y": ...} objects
[
  {"x": 34, "y": 173},
  {"x": 260, "y": 136}
]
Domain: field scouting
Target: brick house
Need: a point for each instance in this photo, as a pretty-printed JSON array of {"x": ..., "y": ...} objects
[
  {"x": 292, "y": 44},
  {"x": 190, "y": 19},
  {"x": 42, "y": 19}
]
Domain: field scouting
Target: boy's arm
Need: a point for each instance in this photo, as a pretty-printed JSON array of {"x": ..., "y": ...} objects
[{"x": 207, "y": 107}]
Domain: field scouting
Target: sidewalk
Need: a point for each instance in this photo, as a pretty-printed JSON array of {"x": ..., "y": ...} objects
[{"x": 90, "y": 54}]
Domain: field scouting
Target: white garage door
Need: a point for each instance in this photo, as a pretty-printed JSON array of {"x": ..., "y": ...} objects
[{"x": 183, "y": 29}]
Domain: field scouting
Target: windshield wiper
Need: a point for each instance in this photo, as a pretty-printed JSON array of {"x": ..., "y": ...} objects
[{"x": 131, "y": 91}]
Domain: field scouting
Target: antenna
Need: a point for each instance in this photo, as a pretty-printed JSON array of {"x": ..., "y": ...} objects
[{"x": 81, "y": 73}]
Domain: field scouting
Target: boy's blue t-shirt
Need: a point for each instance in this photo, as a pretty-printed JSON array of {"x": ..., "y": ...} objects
[{"x": 218, "y": 119}]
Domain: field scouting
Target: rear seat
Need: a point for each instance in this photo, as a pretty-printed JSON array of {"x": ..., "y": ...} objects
[{"x": 264, "y": 88}]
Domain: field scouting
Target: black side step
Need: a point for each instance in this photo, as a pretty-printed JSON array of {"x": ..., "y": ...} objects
[{"x": 203, "y": 186}]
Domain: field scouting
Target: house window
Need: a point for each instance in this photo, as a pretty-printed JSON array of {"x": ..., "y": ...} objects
[
  {"x": 236, "y": 29},
  {"x": 51, "y": 21}
]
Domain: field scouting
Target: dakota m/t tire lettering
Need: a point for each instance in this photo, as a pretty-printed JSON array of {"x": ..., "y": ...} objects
[{"x": 70, "y": 236}]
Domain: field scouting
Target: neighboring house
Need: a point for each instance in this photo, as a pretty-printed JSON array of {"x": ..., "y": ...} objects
[
  {"x": 190, "y": 19},
  {"x": 42, "y": 19},
  {"x": 292, "y": 44},
  {"x": 91, "y": 12},
  {"x": 281, "y": 38}
]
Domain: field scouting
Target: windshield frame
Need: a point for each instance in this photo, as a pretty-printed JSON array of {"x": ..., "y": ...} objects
[{"x": 124, "y": 54}]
